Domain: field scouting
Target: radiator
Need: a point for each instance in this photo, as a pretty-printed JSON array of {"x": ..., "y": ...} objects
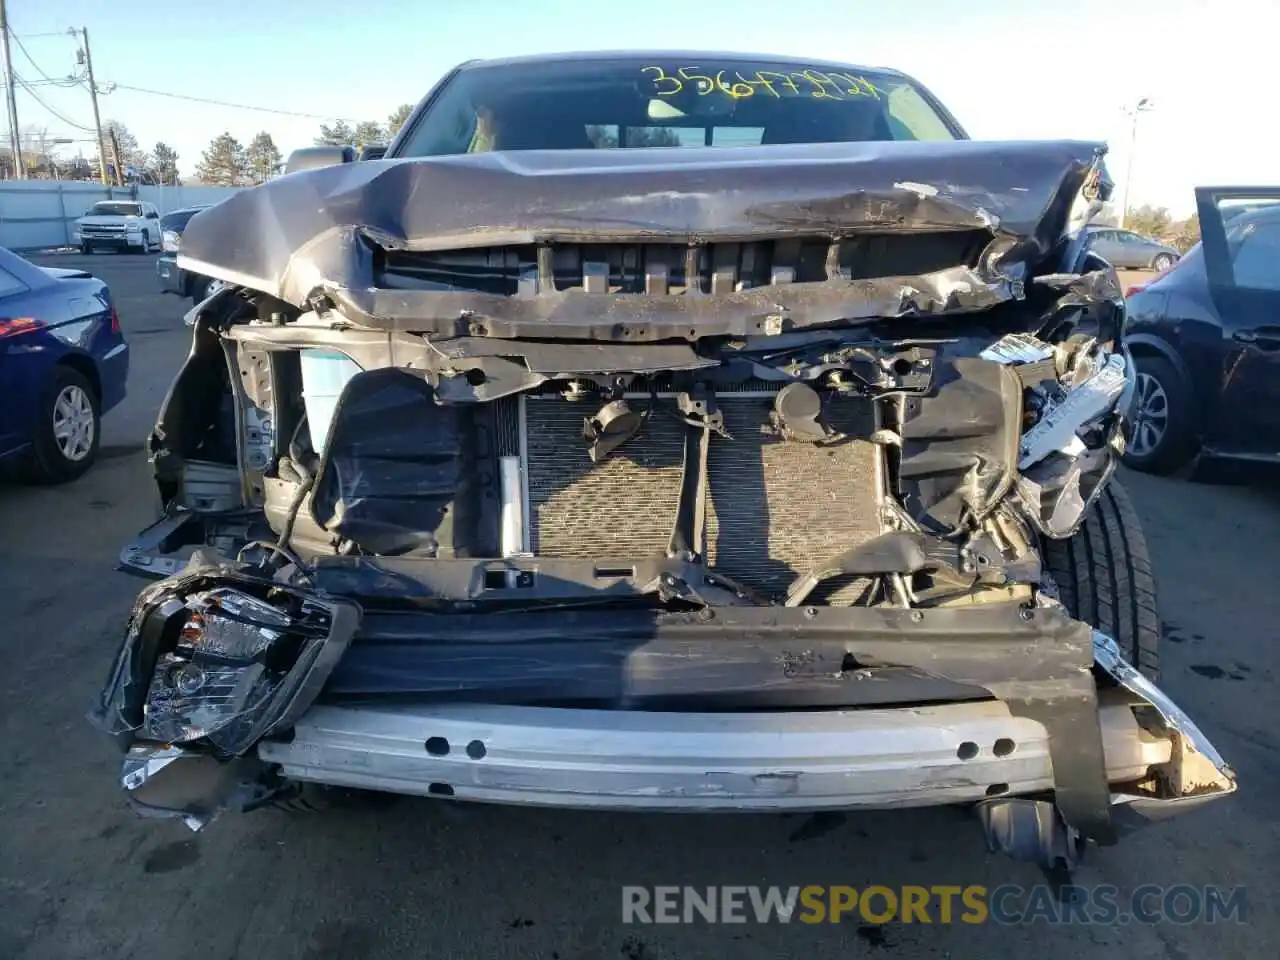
[
  {"x": 774, "y": 508},
  {"x": 624, "y": 507}
]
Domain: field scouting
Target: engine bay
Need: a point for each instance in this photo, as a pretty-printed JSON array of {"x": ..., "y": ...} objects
[{"x": 911, "y": 463}]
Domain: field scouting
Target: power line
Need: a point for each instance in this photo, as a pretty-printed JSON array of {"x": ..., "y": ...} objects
[
  {"x": 4, "y": 134},
  {"x": 235, "y": 106},
  {"x": 34, "y": 96},
  {"x": 30, "y": 59},
  {"x": 66, "y": 82}
]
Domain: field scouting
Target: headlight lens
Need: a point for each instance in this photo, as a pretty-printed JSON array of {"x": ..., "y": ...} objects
[{"x": 233, "y": 653}]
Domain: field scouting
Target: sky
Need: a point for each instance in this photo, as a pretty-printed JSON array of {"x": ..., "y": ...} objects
[{"x": 1008, "y": 69}]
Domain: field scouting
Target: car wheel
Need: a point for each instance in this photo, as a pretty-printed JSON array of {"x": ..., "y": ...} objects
[
  {"x": 86, "y": 249},
  {"x": 199, "y": 289},
  {"x": 1103, "y": 575},
  {"x": 68, "y": 431},
  {"x": 1162, "y": 262},
  {"x": 1161, "y": 435}
]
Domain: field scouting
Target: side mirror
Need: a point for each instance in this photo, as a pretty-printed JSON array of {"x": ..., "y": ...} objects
[
  {"x": 373, "y": 151},
  {"x": 311, "y": 158}
]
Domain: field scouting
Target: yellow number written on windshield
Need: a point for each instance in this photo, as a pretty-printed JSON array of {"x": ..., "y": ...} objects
[{"x": 816, "y": 84}]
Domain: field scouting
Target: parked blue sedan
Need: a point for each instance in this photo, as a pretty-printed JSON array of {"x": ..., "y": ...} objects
[{"x": 63, "y": 364}]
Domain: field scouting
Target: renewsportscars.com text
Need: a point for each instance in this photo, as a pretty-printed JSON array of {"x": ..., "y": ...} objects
[{"x": 943, "y": 904}]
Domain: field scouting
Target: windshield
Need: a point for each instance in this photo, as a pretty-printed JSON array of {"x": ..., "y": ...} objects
[
  {"x": 109, "y": 208},
  {"x": 598, "y": 104}
]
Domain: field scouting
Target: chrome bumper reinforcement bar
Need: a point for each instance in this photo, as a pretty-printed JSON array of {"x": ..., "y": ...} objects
[{"x": 688, "y": 761}]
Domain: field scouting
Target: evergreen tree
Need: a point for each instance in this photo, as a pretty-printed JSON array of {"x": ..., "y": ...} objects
[
  {"x": 262, "y": 158},
  {"x": 223, "y": 163}
]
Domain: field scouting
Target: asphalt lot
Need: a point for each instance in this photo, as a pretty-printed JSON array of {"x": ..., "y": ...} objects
[{"x": 82, "y": 876}]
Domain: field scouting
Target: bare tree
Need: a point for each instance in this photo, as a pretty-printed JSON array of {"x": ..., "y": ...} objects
[{"x": 130, "y": 153}]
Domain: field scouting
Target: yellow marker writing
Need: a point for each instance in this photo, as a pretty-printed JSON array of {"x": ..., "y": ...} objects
[{"x": 661, "y": 77}]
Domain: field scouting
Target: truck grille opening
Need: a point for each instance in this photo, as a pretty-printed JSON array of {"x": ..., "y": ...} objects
[
  {"x": 666, "y": 268},
  {"x": 775, "y": 508}
]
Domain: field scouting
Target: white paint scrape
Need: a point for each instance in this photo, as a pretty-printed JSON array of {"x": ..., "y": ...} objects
[{"x": 920, "y": 189}]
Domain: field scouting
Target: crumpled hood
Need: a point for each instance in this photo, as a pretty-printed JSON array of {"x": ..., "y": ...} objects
[{"x": 311, "y": 231}]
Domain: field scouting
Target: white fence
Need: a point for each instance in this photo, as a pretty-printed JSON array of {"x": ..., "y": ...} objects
[{"x": 39, "y": 214}]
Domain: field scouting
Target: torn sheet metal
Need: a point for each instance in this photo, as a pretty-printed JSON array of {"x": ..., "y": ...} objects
[
  {"x": 1197, "y": 768},
  {"x": 162, "y": 781},
  {"x": 1056, "y": 493},
  {"x": 317, "y": 230},
  {"x": 1084, "y": 403},
  {"x": 1017, "y": 348}
]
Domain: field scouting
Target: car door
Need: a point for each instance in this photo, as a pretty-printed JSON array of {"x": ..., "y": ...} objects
[
  {"x": 1242, "y": 263},
  {"x": 15, "y": 329},
  {"x": 1133, "y": 251},
  {"x": 1104, "y": 245}
]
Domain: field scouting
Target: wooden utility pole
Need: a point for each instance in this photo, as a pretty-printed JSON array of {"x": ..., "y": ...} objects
[
  {"x": 115, "y": 157},
  {"x": 93, "y": 94},
  {"x": 15, "y": 141}
]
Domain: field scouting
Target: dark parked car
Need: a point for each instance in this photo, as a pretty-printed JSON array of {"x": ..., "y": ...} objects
[
  {"x": 171, "y": 277},
  {"x": 1206, "y": 339},
  {"x": 1127, "y": 250},
  {"x": 63, "y": 364},
  {"x": 658, "y": 431}
]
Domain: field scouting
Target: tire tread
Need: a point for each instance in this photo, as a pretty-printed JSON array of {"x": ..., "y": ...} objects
[{"x": 1104, "y": 577}]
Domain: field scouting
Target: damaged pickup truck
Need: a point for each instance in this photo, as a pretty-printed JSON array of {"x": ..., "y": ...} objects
[{"x": 767, "y": 467}]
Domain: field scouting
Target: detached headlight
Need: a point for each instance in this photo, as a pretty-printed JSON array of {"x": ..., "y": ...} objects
[
  {"x": 170, "y": 241},
  {"x": 232, "y": 657}
]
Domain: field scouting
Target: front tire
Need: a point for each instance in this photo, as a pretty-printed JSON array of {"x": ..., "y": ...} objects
[
  {"x": 86, "y": 249},
  {"x": 1162, "y": 262},
  {"x": 199, "y": 289},
  {"x": 1103, "y": 574},
  {"x": 1162, "y": 434},
  {"x": 68, "y": 431}
]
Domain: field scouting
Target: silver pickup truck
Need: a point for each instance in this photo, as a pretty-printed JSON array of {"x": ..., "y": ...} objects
[
  {"x": 119, "y": 225},
  {"x": 645, "y": 435}
]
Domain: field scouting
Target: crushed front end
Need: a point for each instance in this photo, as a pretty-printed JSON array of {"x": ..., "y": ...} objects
[{"x": 751, "y": 513}]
